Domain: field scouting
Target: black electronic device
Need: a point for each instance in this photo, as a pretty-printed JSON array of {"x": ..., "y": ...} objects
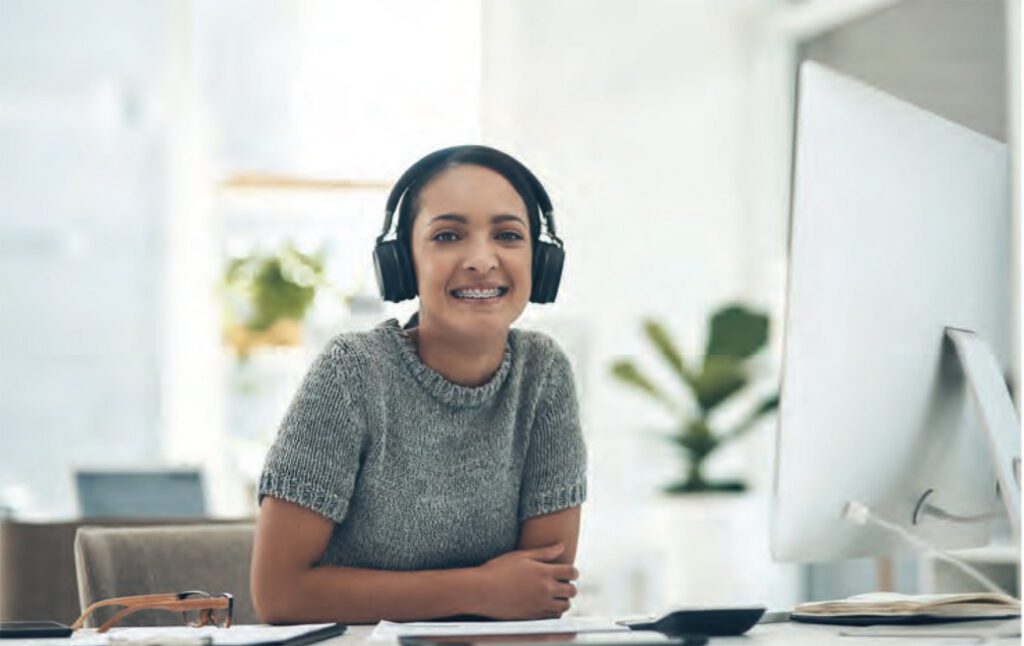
[
  {"x": 715, "y": 622},
  {"x": 392, "y": 262},
  {"x": 145, "y": 492},
  {"x": 33, "y": 629},
  {"x": 311, "y": 637}
]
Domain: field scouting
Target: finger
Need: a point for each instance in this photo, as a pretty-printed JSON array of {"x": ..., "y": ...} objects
[
  {"x": 564, "y": 572},
  {"x": 559, "y": 606},
  {"x": 565, "y": 591},
  {"x": 547, "y": 553}
]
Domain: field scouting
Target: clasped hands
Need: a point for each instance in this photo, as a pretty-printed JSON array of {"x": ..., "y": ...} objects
[{"x": 527, "y": 584}]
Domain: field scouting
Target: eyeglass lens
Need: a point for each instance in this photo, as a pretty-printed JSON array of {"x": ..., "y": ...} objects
[{"x": 205, "y": 616}]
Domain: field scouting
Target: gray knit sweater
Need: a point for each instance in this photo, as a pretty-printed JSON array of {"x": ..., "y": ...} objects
[{"x": 421, "y": 473}]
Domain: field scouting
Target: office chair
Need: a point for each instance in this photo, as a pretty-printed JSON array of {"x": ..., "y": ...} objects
[{"x": 122, "y": 561}]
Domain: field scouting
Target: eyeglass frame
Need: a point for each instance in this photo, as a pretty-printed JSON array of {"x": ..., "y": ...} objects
[{"x": 173, "y": 601}]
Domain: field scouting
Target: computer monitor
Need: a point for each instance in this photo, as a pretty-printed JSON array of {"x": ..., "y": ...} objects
[
  {"x": 157, "y": 492},
  {"x": 900, "y": 228}
]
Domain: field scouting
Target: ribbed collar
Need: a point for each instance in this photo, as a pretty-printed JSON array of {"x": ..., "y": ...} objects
[{"x": 434, "y": 382}]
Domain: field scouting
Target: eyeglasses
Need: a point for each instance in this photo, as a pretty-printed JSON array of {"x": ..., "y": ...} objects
[{"x": 197, "y": 608}]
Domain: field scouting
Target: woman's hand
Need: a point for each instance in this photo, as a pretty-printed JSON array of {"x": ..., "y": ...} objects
[{"x": 526, "y": 584}]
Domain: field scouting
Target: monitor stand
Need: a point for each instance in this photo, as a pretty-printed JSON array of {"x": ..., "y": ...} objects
[{"x": 998, "y": 416}]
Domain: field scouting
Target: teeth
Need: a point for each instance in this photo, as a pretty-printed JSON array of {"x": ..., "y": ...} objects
[{"x": 478, "y": 293}]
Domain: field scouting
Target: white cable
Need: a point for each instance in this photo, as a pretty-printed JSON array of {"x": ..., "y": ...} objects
[{"x": 859, "y": 514}]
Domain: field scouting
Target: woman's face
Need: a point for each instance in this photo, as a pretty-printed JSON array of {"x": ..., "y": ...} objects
[{"x": 471, "y": 250}]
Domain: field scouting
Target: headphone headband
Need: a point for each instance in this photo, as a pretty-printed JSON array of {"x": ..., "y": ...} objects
[{"x": 439, "y": 157}]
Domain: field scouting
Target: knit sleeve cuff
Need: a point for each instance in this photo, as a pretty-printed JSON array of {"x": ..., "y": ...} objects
[
  {"x": 301, "y": 492},
  {"x": 552, "y": 500}
]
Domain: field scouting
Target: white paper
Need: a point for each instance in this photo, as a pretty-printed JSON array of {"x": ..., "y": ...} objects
[
  {"x": 251, "y": 634},
  {"x": 84, "y": 637},
  {"x": 393, "y": 630}
]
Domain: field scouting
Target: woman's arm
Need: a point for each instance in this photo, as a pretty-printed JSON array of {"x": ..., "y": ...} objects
[
  {"x": 560, "y": 527},
  {"x": 289, "y": 587},
  {"x": 554, "y": 480}
]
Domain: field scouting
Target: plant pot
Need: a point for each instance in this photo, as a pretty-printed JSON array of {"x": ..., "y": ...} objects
[
  {"x": 283, "y": 333},
  {"x": 714, "y": 550}
]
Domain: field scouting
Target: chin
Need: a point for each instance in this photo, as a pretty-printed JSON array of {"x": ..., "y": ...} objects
[{"x": 481, "y": 324}]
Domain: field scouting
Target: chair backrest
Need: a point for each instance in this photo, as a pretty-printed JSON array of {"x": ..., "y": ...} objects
[
  {"x": 37, "y": 566},
  {"x": 122, "y": 561}
]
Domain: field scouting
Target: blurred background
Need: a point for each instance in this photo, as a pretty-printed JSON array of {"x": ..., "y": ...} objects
[{"x": 191, "y": 191}]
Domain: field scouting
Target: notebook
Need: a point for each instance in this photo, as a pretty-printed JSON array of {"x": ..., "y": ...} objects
[{"x": 893, "y": 608}]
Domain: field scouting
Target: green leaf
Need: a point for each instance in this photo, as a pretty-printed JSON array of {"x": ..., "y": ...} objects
[
  {"x": 273, "y": 287},
  {"x": 721, "y": 378},
  {"x": 666, "y": 347},
  {"x": 766, "y": 406},
  {"x": 626, "y": 371},
  {"x": 275, "y": 297},
  {"x": 736, "y": 332},
  {"x": 235, "y": 267},
  {"x": 299, "y": 268}
]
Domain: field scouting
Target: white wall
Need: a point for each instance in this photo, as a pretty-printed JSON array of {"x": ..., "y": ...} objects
[
  {"x": 947, "y": 56},
  {"x": 82, "y": 154},
  {"x": 636, "y": 118}
]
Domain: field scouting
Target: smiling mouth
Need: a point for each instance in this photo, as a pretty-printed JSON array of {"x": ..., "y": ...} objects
[{"x": 479, "y": 295}]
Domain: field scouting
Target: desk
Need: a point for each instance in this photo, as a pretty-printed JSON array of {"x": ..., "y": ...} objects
[{"x": 783, "y": 634}]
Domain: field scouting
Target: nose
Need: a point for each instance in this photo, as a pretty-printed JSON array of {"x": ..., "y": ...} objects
[{"x": 481, "y": 256}]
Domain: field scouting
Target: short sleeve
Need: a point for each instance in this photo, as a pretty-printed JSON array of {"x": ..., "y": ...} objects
[
  {"x": 315, "y": 458},
  {"x": 555, "y": 469}
]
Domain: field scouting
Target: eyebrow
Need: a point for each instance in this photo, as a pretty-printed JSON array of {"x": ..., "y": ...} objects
[{"x": 495, "y": 219}]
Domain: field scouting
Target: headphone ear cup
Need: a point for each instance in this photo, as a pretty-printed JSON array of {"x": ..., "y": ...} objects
[
  {"x": 396, "y": 277},
  {"x": 547, "y": 272}
]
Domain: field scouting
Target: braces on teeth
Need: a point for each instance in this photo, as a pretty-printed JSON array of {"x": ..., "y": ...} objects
[{"x": 491, "y": 293}]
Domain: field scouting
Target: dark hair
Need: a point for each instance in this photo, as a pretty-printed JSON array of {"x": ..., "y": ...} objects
[{"x": 410, "y": 205}]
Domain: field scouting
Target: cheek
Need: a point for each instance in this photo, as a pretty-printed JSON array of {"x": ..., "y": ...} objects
[
  {"x": 521, "y": 266},
  {"x": 433, "y": 270}
]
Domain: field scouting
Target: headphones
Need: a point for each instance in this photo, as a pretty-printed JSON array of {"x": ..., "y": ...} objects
[{"x": 396, "y": 275}]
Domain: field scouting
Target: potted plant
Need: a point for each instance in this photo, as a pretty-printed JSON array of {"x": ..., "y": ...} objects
[
  {"x": 735, "y": 335},
  {"x": 267, "y": 296},
  {"x": 710, "y": 540}
]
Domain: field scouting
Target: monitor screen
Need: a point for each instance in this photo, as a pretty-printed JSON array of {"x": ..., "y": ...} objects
[{"x": 156, "y": 493}]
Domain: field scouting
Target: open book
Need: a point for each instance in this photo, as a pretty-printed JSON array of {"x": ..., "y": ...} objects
[{"x": 886, "y": 607}]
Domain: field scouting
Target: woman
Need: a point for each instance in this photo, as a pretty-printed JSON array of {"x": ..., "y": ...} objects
[{"x": 438, "y": 469}]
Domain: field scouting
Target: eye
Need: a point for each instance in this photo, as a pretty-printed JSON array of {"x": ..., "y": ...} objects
[
  {"x": 512, "y": 235},
  {"x": 445, "y": 236}
]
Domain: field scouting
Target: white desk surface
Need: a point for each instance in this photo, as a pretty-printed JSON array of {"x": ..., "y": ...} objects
[{"x": 788, "y": 634}]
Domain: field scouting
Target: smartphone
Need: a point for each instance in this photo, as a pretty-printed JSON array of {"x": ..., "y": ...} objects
[{"x": 31, "y": 629}]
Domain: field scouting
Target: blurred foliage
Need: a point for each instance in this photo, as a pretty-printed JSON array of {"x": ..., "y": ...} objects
[
  {"x": 735, "y": 335},
  {"x": 268, "y": 294}
]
